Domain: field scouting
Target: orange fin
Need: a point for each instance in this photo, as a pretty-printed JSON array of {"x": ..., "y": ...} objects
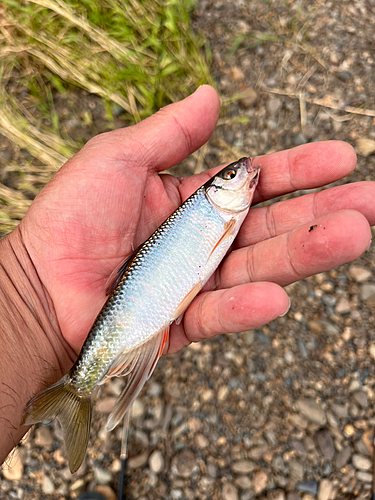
[
  {"x": 179, "y": 312},
  {"x": 117, "y": 274},
  {"x": 228, "y": 230},
  {"x": 138, "y": 364}
]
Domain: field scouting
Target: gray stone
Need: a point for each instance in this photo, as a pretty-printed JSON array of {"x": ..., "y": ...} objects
[
  {"x": 274, "y": 105},
  {"x": 312, "y": 411},
  {"x": 325, "y": 443},
  {"x": 229, "y": 492},
  {"x": 296, "y": 469},
  {"x": 156, "y": 462},
  {"x": 365, "y": 477},
  {"x": 367, "y": 291},
  {"x": 342, "y": 458},
  {"x": 361, "y": 462},
  {"x": 310, "y": 486},
  {"x": 340, "y": 411},
  {"x": 361, "y": 398},
  {"x": 243, "y": 482},
  {"x": 325, "y": 488}
]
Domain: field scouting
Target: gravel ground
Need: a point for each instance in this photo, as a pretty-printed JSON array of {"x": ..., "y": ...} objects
[{"x": 285, "y": 411}]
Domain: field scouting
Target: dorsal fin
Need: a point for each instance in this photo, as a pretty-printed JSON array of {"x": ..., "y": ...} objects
[{"x": 117, "y": 274}]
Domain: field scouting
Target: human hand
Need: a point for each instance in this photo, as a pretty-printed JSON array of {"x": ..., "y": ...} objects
[{"x": 110, "y": 197}]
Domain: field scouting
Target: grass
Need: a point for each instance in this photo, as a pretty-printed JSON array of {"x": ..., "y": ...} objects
[{"x": 126, "y": 58}]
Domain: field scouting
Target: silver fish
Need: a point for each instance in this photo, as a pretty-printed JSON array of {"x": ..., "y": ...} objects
[{"x": 151, "y": 290}]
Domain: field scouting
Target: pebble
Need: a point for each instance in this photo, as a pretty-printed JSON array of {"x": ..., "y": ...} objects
[
  {"x": 47, "y": 485},
  {"x": 365, "y": 146},
  {"x": 365, "y": 477},
  {"x": 367, "y": 291},
  {"x": 229, "y": 492},
  {"x": 106, "y": 405},
  {"x": 325, "y": 443},
  {"x": 236, "y": 74},
  {"x": 259, "y": 481},
  {"x": 243, "y": 482},
  {"x": 343, "y": 456},
  {"x": 310, "y": 486},
  {"x": 361, "y": 462},
  {"x": 340, "y": 411},
  {"x": 312, "y": 411},
  {"x": 296, "y": 470},
  {"x": 274, "y": 105},
  {"x": 242, "y": 467},
  {"x": 184, "y": 464},
  {"x": 361, "y": 398},
  {"x": 349, "y": 430},
  {"x": 249, "y": 98},
  {"x": 359, "y": 274},
  {"x": 201, "y": 441},
  {"x": 107, "y": 492},
  {"x": 343, "y": 306},
  {"x": 276, "y": 495},
  {"x": 222, "y": 393},
  {"x": 325, "y": 488},
  {"x": 293, "y": 495},
  {"x": 13, "y": 470},
  {"x": 138, "y": 409},
  {"x": 138, "y": 460},
  {"x": 371, "y": 350},
  {"x": 44, "y": 437},
  {"x": 156, "y": 462},
  {"x": 102, "y": 476}
]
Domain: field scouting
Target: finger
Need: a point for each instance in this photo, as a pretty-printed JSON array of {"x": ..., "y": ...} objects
[
  {"x": 266, "y": 222},
  {"x": 228, "y": 311},
  {"x": 329, "y": 241},
  {"x": 167, "y": 137},
  {"x": 304, "y": 167}
]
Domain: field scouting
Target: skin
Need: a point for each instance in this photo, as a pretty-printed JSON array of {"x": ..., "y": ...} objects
[{"x": 110, "y": 197}]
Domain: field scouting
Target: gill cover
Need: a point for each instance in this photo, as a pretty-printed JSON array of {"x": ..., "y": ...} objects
[{"x": 233, "y": 187}]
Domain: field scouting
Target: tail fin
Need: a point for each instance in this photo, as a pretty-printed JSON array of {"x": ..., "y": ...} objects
[{"x": 72, "y": 409}]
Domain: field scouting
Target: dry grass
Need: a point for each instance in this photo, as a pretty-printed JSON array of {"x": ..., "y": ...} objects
[{"x": 133, "y": 55}]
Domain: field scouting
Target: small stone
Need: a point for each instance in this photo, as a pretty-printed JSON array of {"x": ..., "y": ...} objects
[
  {"x": 102, "y": 476},
  {"x": 44, "y": 437},
  {"x": 59, "y": 457},
  {"x": 340, "y": 411},
  {"x": 342, "y": 458},
  {"x": 194, "y": 424},
  {"x": 185, "y": 464},
  {"x": 276, "y": 495},
  {"x": 259, "y": 481},
  {"x": 107, "y": 492},
  {"x": 201, "y": 441},
  {"x": 274, "y": 105},
  {"x": 156, "y": 462},
  {"x": 367, "y": 291},
  {"x": 249, "y": 98},
  {"x": 222, "y": 393},
  {"x": 293, "y": 495},
  {"x": 106, "y": 405},
  {"x": 365, "y": 146},
  {"x": 325, "y": 489},
  {"x": 349, "y": 430},
  {"x": 236, "y": 74},
  {"x": 207, "y": 395},
  {"x": 138, "y": 461},
  {"x": 310, "y": 486},
  {"x": 242, "y": 467},
  {"x": 325, "y": 443},
  {"x": 229, "y": 492},
  {"x": 47, "y": 485},
  {"x": 13, "y": 469},
  {"x": 371, "y": 350},
  {"x": 359, "y": 274},
  {"x": 138, "y": 409},
  {"x": 243, "y": 482},
  {"x": 344, "y": 75},
  {"x": 365, "y": 477},
  {"x": 77, "y": 485},
  {"x": 312, "y": 411},
  {"x": 361, "y": 398},
  {"x": 361, "y": 462},
  {"x": 342, "y": 306},
  {"x": 296, "y": 470}
]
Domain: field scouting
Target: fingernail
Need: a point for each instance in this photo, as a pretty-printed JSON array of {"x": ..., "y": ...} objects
[{"x": 286, "y": 312}]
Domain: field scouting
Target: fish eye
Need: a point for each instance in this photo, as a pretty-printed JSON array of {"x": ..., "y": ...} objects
[{"x": 229, "y": 174}]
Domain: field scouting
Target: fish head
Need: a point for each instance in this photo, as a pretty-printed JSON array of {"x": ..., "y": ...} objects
[{"x": 232, "y": 188}]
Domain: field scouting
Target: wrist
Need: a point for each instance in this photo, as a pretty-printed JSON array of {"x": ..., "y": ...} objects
[{"x": 33, "y": 352}]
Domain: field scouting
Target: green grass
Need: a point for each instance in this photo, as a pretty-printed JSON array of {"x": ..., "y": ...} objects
[{"x": 135, "y": 56}]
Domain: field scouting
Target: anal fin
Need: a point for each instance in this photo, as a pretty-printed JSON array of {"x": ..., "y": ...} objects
[{"x": 138, "y": 364}]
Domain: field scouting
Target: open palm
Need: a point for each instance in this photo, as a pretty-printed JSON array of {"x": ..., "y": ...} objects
[{"x": 110, "y": 197}]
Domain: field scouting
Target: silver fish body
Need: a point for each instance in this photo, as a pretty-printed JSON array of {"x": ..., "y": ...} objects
[{"x": 153, "y": 289}]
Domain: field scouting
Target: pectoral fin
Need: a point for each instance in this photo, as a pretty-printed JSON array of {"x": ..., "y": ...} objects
[
  {"x": 138, "y": 364},
  {"x": 228, "y": 231}
]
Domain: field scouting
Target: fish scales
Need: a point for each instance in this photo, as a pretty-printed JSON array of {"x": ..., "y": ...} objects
[{"x": 151, "y": 291}]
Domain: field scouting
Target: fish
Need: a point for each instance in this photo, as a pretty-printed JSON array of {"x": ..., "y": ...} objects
[{"x": 149, "y": 291}]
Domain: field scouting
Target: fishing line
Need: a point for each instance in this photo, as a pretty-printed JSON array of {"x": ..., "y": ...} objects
[{"x": 123, "y": 457}]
